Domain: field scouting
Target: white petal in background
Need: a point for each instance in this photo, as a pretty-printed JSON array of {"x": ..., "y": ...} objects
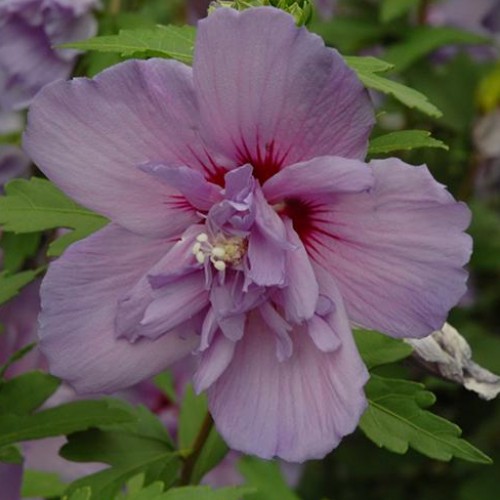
[{"x": 446, "y": 353}]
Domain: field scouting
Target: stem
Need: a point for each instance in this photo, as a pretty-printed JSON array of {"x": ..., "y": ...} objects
[
  {"x": 423, "y": 12},
  {"x": 201, "y": 439}
]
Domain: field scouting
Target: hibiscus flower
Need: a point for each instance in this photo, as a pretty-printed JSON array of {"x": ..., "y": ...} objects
[{"x": 246, "y": 229}]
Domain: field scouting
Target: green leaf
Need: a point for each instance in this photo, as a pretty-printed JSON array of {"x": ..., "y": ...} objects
[
  {"x": 266, "y": 478},
  {"x": 424, "y": 40},
  {"x": 152, "y": 492},
  {"x": 392, "y": 9},
  {"x": 15, "y": 357},
  {"x": 38, "y": 484},
  {"x": 368, "y": 64},
  {"x": 13, "y": 138},
  {"x": 24, "y": 394},
  {"x": 377, "y": 349},
  {"x": 11, "y": 455},
  {"x": 366, "y": 69},
  {"x": 409, "y": 97},
  {"x": 404, "y": 140},
  {"x": 192, "y": 414},
  {"x": 455, "y": 101},
  {"x": 206, "y": 493},
  {"x": 174, "y": 42},
  {"x": 165, "y": 382},
  {"x": 17, "y": 248},
  {"x": 36, "y": 205},
  {"x": 81, "y": 494},
  {"x": 11, "y": 284},
  {"x": 64, "y": 419},
  {"x": 349, "y": 34},
  {"x": 131, "y": 449},
  {"x": 395, "y": 419}
]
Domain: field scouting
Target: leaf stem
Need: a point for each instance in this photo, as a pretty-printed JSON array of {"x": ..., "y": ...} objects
[{"x": 201, "y": 439}]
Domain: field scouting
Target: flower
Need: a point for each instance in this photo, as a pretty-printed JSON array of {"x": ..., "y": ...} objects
[
  {"x": 245, "y": 227},
  {"x": 11, "y": 475},
  {"x": 29, "y": 30},
  {"x": 326, "y": 8},
  {"x": 13, "y": 163},
  {"x": 482, "y": 17}
]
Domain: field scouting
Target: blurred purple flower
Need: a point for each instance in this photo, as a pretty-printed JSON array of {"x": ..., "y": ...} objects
[
  {"x": 18, "y": 318},
  {"x": 29, "y": 30},
  {"x": 326, "y": 8},
  {"x": 245, "y": 226},
  {"x": 10, "y": 480},
  {"x": 13, "y": 163},
  {"x": 479, "y": 16},
  {"x": 197, "y": 9}
]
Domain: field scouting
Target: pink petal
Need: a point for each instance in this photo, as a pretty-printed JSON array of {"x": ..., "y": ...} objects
[
  {"x": 200, "y": 193},
  {"x": 213, "y": 362},
  {"x": 79, "y": 303},
  {"x": 272, "y": 94},
  {"x": 177, "y": 262},
  {"x": 90, "y": 137},
  {"x": 396, "y": 252},
  {"x": 319, "y": 179},
  {"x": 298, "y": 409},
  {"x": 174, "y": 304},
  {"x": 266, "y": 246},
  {"x": 299, "y": 297},
  {"x": 322, "y": 334}
]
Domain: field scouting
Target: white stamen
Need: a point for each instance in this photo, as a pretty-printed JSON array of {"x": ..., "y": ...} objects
[
  {"x": 220, "y": 265},
  {"x": 222, "y": 251},
  {"x": 200, "y": 257},
  {"x": 218, "y": 252}
]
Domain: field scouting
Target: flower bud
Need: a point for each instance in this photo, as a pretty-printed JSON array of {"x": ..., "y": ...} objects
[{"x": 301, "y": 10}]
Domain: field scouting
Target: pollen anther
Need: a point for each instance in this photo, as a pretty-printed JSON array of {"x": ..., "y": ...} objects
[{"x": 222, "y": 252}]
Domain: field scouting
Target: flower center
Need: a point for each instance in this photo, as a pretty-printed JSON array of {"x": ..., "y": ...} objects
[{"x": 221, "y": 252}]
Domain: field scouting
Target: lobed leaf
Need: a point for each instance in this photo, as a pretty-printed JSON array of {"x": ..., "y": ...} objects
[
  {"x": 81, "y": 494},
  {"x": 164, "y": 381},
  {"x": 266, "y": 478},
  {"x": 174, "y": 42},
  {"x": 425, "y": 39},
  {"x": 392, "y": 9},
  {"x": 368, "y": 64},
  {"x": 25, "y": 393},
  {"x": 377, "y": 349},
  {"x": 141, "y": 447},
  {"x": 404, "y": 140},
  {"x": 409, "y": 97},
  {"x": 17, "y": 248},
  {"x": 37, "y": 205},
  {"x": 11, "y": 455},
  {"x": 206, "y": 493},
  {"x": 11, "y": 284},
  {"x": 395, "y": 419},
  {"x": 193, "y": 411},
  {"x": 37, "y": 484},
  {"x": 16, "y": 357},
  {"x": 63, "y": 419}
]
